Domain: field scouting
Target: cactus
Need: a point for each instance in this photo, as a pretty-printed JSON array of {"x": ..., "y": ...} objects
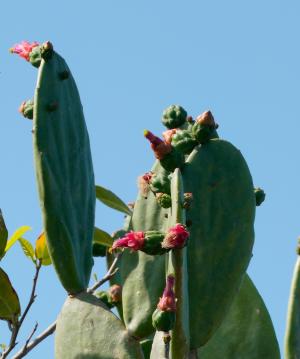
[
  {"x": 182, "y": 253},
  {"x": 64, "y": 173}
]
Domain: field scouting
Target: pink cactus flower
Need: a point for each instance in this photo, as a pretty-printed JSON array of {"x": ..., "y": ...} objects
[
  {"x": 132, "y": 240},
  {"x": 167, "y": 302},
  {"x": 176, "y": 237},
  {"x": 24, "y": 49}
]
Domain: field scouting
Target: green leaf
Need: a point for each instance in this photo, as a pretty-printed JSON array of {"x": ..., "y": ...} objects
[
  {"x": 9, "y": 301},
  {"x": 41, "y": 250},
  {"x": 102, "y": 237},
  {"x": 3, "y": 235},
  {"x": 27, "y": 248},
  {"x": 16, "y": 236},
  {"x": 111, "y": 200}
]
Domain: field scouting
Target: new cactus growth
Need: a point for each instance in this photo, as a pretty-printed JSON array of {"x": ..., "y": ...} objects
[{"x": 181, "y": 287}]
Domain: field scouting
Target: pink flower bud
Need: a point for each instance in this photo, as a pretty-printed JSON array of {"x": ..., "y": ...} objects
[
  {"x": 144, "y": 183},
  {"x": 132, "y": 240},
  {"x": 159, "y": 147},
  {"x": 167, "y": 135},
  {"x": 24, "y": 49},
  {"x": 176, "y": 237},
  {"x": 168, "y": 301},
  {"x": 206, "y": 118}
]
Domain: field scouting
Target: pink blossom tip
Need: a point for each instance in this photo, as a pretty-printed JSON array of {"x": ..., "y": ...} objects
[
  {"x": 132, "y": 240},
  {"x": 176, "y": 237},
  {"x": 168, "y": 301},
  {"x": 23, "y": 49}
]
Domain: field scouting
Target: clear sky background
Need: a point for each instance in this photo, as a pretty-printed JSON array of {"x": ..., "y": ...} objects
[{"x": 132, "y": 59}]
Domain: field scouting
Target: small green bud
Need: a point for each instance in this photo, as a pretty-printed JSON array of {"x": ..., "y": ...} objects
[
  {"x": 164, "y": 200},
  {"x": 26, "y": 109},
  {"x": 174, "y": 116},
  {"x": 259, "y": 195}
]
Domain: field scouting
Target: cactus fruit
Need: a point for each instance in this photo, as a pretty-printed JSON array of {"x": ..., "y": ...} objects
[
  {"x": 163, "y": 318},
  {"x": 64, "y": 174}
]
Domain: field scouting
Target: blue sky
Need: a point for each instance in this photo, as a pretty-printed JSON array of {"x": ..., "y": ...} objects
[{"x": 133, "y": 59}]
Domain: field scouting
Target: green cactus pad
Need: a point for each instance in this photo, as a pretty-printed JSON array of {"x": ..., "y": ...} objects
[
  {"x": 220, "y": 221},
  {"x": 143, "y": 275},
  {"x": 64, "y": 174},
  {"x": 247, "y": 331},
  {"x": 87, "y": 330},
  {"x": 292, "y": 339}
]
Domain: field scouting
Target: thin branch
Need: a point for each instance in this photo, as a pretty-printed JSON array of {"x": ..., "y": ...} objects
[
  {"x": 110, "y": 273},
  {"x": 51, "y": 329},
  {"x": 16, "y": 327},
  {"x": 25, "y": 350}
]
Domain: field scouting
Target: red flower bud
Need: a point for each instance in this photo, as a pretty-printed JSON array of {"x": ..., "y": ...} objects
[
  {"x": 176, "y": 237},
  {"x": 168, "y": 301},
  {"x": 132, "y": 240},
  {"x": 207, "y": 119},
  {"x": 144, "y": 183}
]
